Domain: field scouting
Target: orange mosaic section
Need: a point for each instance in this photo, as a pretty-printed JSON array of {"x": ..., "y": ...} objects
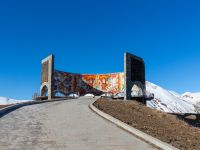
[{"x": 112, "y": 83}]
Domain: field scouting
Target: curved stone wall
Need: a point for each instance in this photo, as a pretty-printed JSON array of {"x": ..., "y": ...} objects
[{"x": 66, "y": 83}]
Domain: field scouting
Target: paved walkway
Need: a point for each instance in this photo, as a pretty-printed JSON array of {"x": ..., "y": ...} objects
[{"x": 63, "y": 125}]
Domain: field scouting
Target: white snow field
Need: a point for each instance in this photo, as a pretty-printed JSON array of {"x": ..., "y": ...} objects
[
  {"x": 191, "y": 97},
  {"x": 8, "y": 101},
  {"x": 170, "y": 101}
]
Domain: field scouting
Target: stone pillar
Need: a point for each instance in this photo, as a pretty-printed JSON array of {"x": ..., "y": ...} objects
[
  {"x": 47, "y": 75},
  {"x": 134, "y": 74}
]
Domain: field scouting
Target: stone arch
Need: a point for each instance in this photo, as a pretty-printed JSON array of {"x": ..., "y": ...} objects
[
  {"x": 44, "y": 90},
  {"x": 138, "y": 89}
]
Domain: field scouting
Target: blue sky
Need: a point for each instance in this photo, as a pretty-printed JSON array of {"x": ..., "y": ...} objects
[{"x": 91, "y": 36}]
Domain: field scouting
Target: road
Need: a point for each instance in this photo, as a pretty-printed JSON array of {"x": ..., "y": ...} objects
[{"x": 63, "y": 125}]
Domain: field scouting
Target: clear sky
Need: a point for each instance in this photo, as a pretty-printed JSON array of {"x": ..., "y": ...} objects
[{"x": 90, "y": 36}]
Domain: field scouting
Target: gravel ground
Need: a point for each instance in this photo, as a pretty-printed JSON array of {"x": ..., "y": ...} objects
[{"x": 161, "y": 125}]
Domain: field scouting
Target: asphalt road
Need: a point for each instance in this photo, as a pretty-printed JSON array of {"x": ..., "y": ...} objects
[{"x": 63, "y": 125}]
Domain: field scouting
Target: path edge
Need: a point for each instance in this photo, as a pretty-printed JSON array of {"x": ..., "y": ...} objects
[
  {"x": 4, "y": 111},
  {"x": 134, "y": 131}
]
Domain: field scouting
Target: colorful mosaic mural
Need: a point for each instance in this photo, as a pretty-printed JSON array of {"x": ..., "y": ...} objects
[{"x": 65, "y": 83}]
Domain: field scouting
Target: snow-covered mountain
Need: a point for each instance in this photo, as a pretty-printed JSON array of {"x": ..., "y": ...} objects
[
  {"x": 8, "y": 101},
  {"x": 191, "y": 97},
  {"x": 170, "y": 101}
]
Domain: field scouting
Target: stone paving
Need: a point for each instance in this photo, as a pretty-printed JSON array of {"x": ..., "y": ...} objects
[{"x": 63, "y": 125}]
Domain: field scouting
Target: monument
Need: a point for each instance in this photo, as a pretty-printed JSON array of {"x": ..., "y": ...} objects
[{"x": 130, "y": 83}]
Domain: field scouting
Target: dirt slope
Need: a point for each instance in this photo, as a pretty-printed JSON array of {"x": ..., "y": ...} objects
[{"x": 161, "y": 125}]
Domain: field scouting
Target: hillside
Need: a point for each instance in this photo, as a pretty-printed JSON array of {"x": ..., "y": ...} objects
[
  {"x": 163, "y": 126},
  {"x": 170, "y": 101}
]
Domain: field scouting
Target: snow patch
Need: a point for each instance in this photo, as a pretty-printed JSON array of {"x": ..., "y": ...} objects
[
  {"x": 191, "y": 97},
  {"x": 8, "y": 101},
  {"x": 73, "y": 95},
  {"x": 89, "y": 95}
]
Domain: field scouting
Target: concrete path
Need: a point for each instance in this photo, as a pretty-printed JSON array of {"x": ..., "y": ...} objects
[{"x": 63, "y": 125}]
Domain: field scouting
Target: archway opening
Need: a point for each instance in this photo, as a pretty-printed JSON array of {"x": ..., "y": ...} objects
[
  {"x": 137, "y": 90},
  {"x": 44, "y": 91}
]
